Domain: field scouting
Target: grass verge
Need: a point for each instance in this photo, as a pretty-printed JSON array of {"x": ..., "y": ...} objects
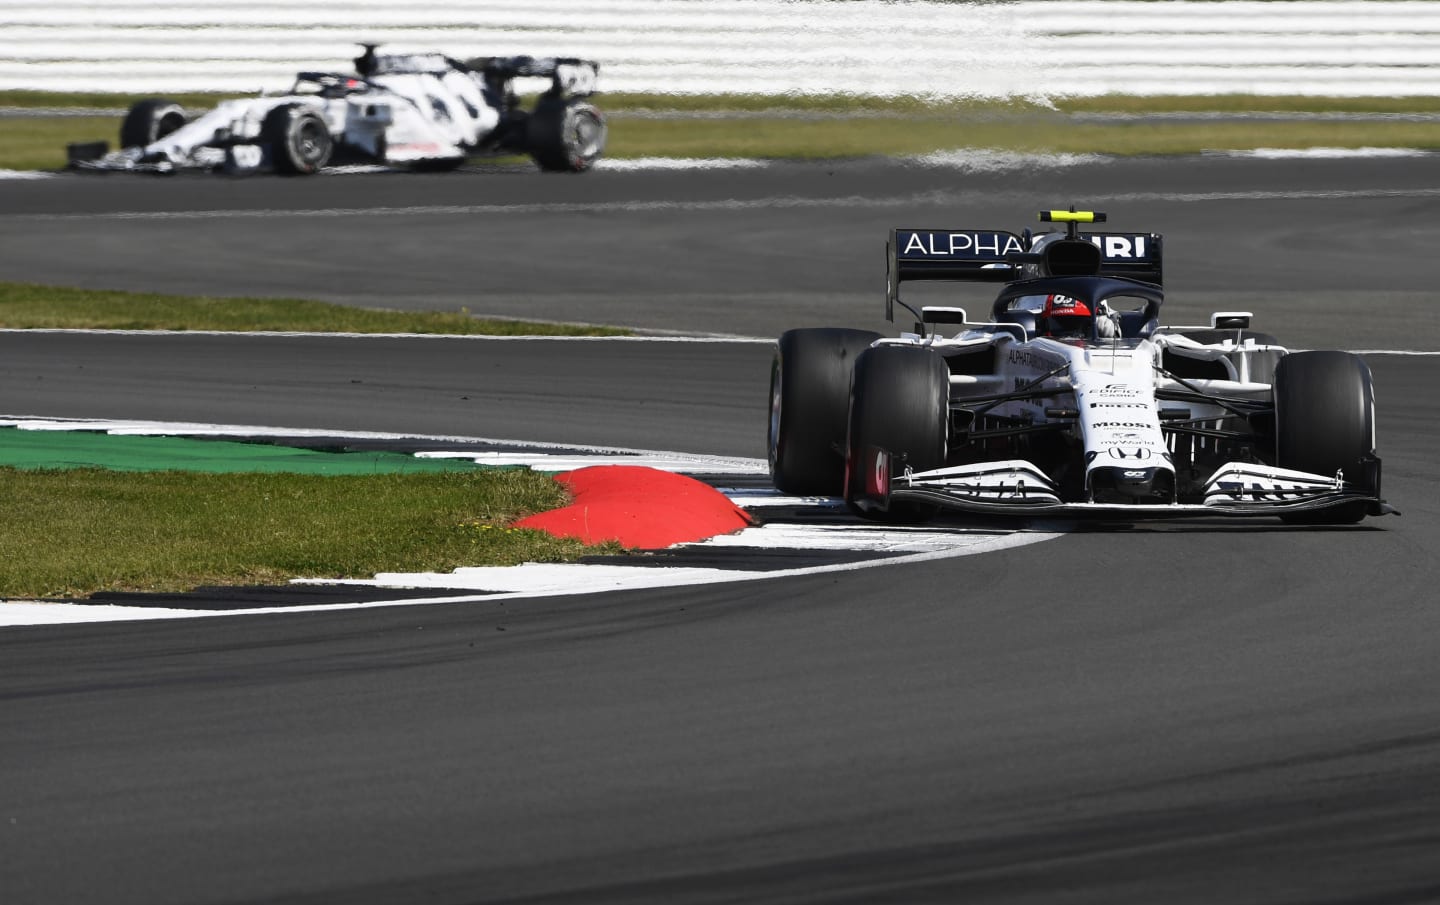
[
  {"x": 28, "y": 306},
  {"x": 862, "y": 136},
  {"x": 859, "y": 126},
  {"x": 75, "y": 532}
]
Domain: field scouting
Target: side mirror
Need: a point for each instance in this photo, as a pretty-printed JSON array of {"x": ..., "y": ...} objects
[{"x": 1230, "y": 320}]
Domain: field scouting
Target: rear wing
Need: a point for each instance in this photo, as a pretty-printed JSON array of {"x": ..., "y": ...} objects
[
  {"x": 570, "y": 76},
  {"x": 998, "y": 256}
]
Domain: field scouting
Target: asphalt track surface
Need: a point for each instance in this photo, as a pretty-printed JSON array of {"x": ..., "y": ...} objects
[{"x": 1191, "y": 713}]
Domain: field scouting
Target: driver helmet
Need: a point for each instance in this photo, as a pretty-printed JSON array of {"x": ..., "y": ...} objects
[{"x": 1065, "y": 316}]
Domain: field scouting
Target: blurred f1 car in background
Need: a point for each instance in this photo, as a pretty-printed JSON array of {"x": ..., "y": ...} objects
[
  {"x": 424, "y": 111},
  {"x": 1071, "y": 399}
]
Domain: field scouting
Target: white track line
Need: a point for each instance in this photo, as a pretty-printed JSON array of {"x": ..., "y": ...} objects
[
  {"x": 677, "y": 462},
  {"x": 1322, "y": 153},
  {"x": 522, "y": 582},
  {"x": 533, "y": 579}
]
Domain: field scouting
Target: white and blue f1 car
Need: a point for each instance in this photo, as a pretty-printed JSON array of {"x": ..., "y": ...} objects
[
  {"x": 1070, "y": 399},
  {"x": 423, "y": 111}
]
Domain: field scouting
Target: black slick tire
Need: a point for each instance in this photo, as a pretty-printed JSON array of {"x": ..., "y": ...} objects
[
  {"x": 149, "y": 121},
  {"x": 1325, "y": 423},
  {"x": 299, "y": 141},
  {"x": 565, "y": 135},
  {"x": 809, "y": 399},
  {"x": 899, "y": 403}
]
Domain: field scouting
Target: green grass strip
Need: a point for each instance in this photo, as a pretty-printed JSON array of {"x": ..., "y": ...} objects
[
  {"x": 29, "y": 449},
  {"x": 859, "y": 136},
  {"x": 857, "y": 126},
  {"x": 40, "y": 144},
  {"x": 70, "y": 533},
  {"x": 29, "y": 306},
  {"x": 929, "y": 106}
]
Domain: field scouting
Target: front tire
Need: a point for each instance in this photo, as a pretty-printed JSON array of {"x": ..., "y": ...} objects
[
  {"x": 1324, "y": 423},
  {"x": 899, "y": 403},
  {"x": 149, "y": 121},
  {"x": 809, "y": 398},
  {"x": 299, "y": 141},
  {"x": 565, "y": 135}
]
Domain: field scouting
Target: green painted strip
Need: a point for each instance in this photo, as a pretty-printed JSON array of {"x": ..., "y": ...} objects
[{"x": 92, "y": 449}]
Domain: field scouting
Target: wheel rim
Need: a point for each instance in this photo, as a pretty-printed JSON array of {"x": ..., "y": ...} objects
[
  {"x": 586, "y": 134},
  {"x": 311, "y": 142}
]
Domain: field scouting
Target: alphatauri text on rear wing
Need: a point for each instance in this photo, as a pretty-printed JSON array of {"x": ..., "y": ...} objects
[{"x": 1000, "y": 256}]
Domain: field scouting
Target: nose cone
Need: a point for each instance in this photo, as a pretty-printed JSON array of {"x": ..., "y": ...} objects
[{"x": 1119, "y": 484}]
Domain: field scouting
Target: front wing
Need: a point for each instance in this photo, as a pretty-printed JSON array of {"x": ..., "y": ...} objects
[{"x": 1017, "y": 487}]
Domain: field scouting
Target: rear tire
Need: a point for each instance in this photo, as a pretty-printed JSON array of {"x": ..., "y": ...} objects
[
  {"x": 565, "y": 135},
  {"x": 300, "y": 143},
  {"x": 899, "y": 403},
  {"x": 809, "y": 397},
  {"x": 149, "y": 121},
  {"x": 1324, "y": 423}
]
